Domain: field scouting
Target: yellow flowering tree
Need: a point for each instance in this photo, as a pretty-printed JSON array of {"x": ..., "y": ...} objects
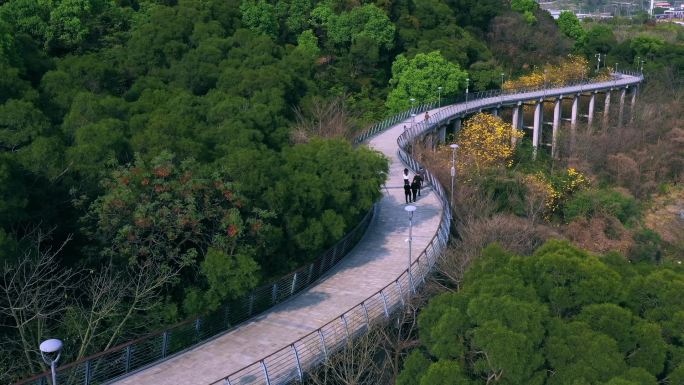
[
  {"x": 570, "y": 69},
  {"x": 557, "y": 189},
  {"x": 485, "y": 141}
]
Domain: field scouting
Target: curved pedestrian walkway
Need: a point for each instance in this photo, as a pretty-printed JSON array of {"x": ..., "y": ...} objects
[
  {"x": 379, "y": 258},
  {"x": 375, "y": 263}
]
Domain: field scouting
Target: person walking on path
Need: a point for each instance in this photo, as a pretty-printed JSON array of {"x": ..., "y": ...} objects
[
  {"x": 407, "y": 192},
  {"x": 406, "y": 176},
  {"x": 419, "y": 176},
  {"x": 415, "y": 186},
  {"x": 421, "y": 173},
  {"x": 427, "y": 116}
]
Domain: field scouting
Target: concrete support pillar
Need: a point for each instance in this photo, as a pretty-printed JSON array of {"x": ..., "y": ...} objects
[
  {"x": 495, "y": 112},
  {"x": 633, "y": 104},
  {"x": 457, "y": 126},
  {"x": 606, "y": 110},
  {"x": 556, "y": 126},
  {"x": 536, "y": 129},
  {"x": 517, "y": 120},
  {"x": 441, "y": 134},
  {"x": 573, "y": 121},
  {"x": 590, "y": 114},
  {"x": 575, "y": 110},
  {"x": 623, "y": 93}
]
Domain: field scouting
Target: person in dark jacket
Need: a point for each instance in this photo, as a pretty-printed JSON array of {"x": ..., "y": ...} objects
[
  {"x": 407, "y": 191},
  {"x": 415, "y": 186},
  {"x": 420, "y": 180}
]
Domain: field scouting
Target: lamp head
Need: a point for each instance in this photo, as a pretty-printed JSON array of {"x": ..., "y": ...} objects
[
  {"x": 51, "y": 350},
  {"x": 439, "y": 88},
  {"x": 410, "y": 208},
  {"x": 453, "y": 146},
  {"x": 51, "y": 346}
]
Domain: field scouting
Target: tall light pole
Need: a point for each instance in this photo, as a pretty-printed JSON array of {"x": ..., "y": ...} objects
[
  {"x": 439, "y": 95},
  {"x": 413, "y": 120},
  {"x": 616, "y": 64},
  {"x": 51, "y": 350},
  {"x": 453, "y": 146},
  {"x": 467, "y": 86},
  {"x": 642, "y": 66},
  {"x": 410, "y": 209},
  {"x": 502, "y": 80},
  {"x": 412, "y": 100},
  {"x": 598, "y": 62}
]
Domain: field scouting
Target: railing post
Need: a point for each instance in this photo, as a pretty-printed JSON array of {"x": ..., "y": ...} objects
[
  {"x": 198, "y": 324},
  {"x": 299, "y": 365},
  {"x": 294, "y": 284},
  {"x": 401, "y": 294},
  {"x": 226, "y": 381},
  {"x": 384, "y": 304},
  {"x": 127, "y": 359},
  {"x": 87, "y": 374},
  {"x": 263, "y": 366},
  {"x": 325, "y": 350},
  {"x": 308, "y": 280},
  {"x": 251, "y": 304},
  {"x": 346, "y": 327},
  {"x": 274, "y": 293},
  {"x": 365, "y": 310},
  {"x": 165, "y": 343},
  {"x": 226, "y": 315}
]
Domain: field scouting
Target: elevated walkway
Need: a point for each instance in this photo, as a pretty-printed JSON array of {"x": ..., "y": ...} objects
[
  {"x": 368, "y": 284},
  {"x": 378, "y": 259}
]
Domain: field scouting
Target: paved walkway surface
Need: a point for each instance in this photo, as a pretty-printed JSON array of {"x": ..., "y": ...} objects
[{"x": 377, "y": 260}]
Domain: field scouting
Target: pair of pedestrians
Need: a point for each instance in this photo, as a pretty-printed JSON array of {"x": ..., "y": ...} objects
[{"x": 412, "y": 189}]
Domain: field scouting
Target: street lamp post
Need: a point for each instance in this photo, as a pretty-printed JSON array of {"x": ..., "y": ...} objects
[
  {"x": 413, "y": 120},
  {"x": 51, "y": 350},
  {"x": 410, "y": 209},
  {"x": 453, "y": 146},
  {"x": 467, "y": 87},
  {"x": 412, "y": 100},
  {"x": 642, "y": 66},
  {"x": 598, "y": 62},
  {"x": 502, "y": 80},
  {"x": 439, "y": 95}
]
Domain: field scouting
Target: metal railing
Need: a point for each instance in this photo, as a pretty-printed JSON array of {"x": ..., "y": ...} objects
[
  {"x": 290, "y": 363},
  {"x": 133, "y": 355},
  {"x": 472, "y": 97}
]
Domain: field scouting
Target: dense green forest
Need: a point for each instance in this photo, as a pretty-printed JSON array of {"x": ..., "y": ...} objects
[
  {"x": 601, "y": 306},
  {"x": 160, "y": 157},
  {"x": 560, "y": 316},
  {"x": 561, "y": 270}
]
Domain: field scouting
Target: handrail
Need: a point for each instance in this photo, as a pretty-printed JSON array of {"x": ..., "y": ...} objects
[
  {"x": 290, "y": 363},
  {"x": 133, "y": 355}
]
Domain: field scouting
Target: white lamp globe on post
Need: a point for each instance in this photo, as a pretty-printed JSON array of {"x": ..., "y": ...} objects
[
  {"x": 412, "y": 100},
  {"x": 51, "y": 350},
  {"x": 410, "y": 209},
  {"x": 439, "y": 96},
  {"x": 454, "y": 147}
]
